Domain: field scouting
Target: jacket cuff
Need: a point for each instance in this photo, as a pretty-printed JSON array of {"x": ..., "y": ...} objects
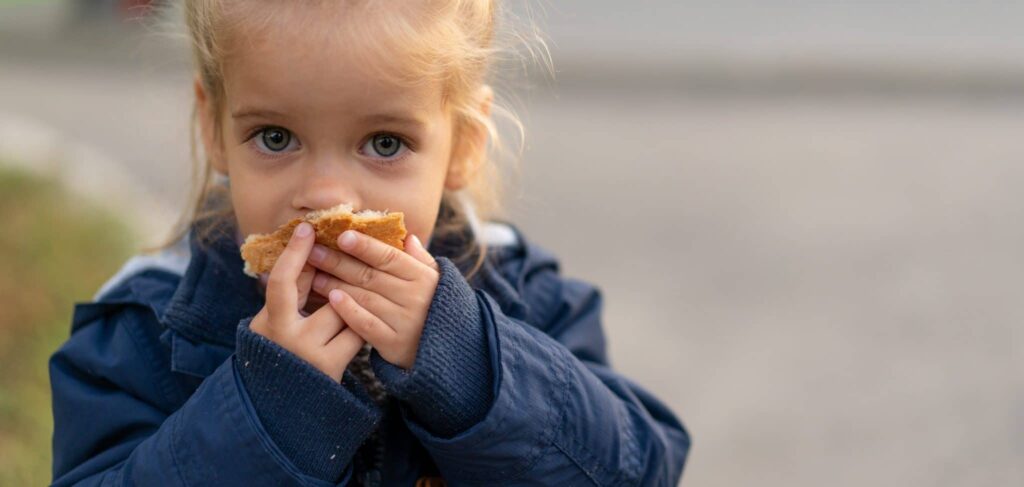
[
  {"x": 316, "y": 422},
  {"x": 449, "y": 387}
]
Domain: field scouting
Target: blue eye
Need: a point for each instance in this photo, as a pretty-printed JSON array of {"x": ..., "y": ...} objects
[
  {"x": 275, "y": 139},
  {"x": 384, "y": 145}
]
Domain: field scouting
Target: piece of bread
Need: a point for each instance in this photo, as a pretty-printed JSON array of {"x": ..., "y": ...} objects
[{"x": 260, "y": 251}]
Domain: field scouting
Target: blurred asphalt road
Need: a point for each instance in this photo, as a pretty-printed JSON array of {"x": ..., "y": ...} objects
[{"x": 825, "y": 286}]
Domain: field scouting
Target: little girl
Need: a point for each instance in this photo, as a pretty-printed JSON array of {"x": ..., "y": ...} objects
[{"x": 467, "y": 359}]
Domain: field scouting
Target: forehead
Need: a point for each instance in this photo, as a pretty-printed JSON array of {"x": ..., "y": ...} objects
[{"x": 324, "y": 59}]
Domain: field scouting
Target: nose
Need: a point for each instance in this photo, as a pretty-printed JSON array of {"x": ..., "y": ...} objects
[{"x": 326, "y": 186}]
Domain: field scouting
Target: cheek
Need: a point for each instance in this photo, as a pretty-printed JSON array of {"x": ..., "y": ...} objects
[
  {"x": 257, "y": 201},
  {"x": 252, "y": 212},
  {"x": 419, "y": 198},
  {"x": 422, "y": 220},
  {"x": 422, "y": 226}
]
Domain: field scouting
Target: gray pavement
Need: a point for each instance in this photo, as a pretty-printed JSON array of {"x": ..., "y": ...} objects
[{"x": 825, "y": 285}]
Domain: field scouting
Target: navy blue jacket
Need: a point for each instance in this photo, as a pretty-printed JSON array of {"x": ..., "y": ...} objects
[{"x": 162, "y": 383}]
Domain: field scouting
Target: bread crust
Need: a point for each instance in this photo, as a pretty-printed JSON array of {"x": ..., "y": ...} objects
[{"x": 261, "y": 251}]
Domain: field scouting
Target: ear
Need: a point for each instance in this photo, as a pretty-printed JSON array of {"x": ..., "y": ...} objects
[
  {"x": 208, "y": 128},
  {"x": 469, "y": 145}
]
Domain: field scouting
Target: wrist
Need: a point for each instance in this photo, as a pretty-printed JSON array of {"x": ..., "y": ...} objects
[
  {"x": 449, "y": 386},
  {"x": 315, "y": 421}
]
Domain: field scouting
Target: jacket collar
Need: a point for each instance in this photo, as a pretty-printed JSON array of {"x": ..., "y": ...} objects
[{"x": 214, "y": 294}]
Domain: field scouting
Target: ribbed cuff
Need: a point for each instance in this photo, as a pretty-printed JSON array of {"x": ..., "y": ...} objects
[
  {"x": 449, "y": 387},
  {"x": 316, "y": 422}
]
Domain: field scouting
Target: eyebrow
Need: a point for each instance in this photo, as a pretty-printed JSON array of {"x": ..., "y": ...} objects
[
  {"x": 394, "y": 118},
  {"x": 376, "y": 118},
  {"x": 246, "y": 112}
]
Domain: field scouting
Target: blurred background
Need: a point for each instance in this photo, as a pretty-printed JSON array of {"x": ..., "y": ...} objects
[{"x": 805, "y": 215}]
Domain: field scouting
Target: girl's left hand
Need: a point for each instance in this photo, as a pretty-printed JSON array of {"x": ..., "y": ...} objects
[{"x": 382, "y": 293}]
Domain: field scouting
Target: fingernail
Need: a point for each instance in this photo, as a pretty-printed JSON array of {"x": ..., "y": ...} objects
[
  {"x": 348, "y": 239},
  {"x": 318, "y": 254},
  {"x": 319, "y": 281},
  {"x": 335, "y": 296},
  {"x": 303, "y": 230},
  {"x": 416, "y": 241}
]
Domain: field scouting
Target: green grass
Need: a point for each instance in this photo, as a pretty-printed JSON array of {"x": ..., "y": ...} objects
[{"x": 55, "y": 250}]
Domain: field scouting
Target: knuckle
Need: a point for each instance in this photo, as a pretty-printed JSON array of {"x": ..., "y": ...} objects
[
  {"x": 276, "y": 280},
  {"x": 319, "y": 283},
  {"x": 368, "y": 300},
  {"x": 428, "y": 277},
  {"x": 417, "y": 300},
  {"x": 366, "y": 276},
  {"x": 423, "y": 300},
  {"x": 307, "y": 274},
  {"x": 331, "y": 259},
  {"x": 357, "y": 318},
  {"x": 389, "y": 257},
  {"x": 367, "y": 324}
]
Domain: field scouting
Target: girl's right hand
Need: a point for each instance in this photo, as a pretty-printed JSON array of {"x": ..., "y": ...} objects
[{"x": 322, "y": 338}]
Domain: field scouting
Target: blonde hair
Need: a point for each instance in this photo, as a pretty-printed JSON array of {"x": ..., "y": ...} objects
[{"x": 451, "y": 41}]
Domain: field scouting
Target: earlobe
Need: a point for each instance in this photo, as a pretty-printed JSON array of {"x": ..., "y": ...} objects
[
  {"x": 207, "y": 127},
  {"x": 464, "y": 156},
  {"x": 456, "y": 178}
]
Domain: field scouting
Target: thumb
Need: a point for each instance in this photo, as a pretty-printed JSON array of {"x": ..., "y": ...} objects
[{"x": 414, "y": 247}]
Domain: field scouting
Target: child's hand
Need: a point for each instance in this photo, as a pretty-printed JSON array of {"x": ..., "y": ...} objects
[
  {"x": 322, "y": 339},
  {"x": 381, "y": 292}
]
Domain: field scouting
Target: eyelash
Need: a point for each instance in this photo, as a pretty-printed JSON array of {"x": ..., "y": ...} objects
[
  {"x": 385, "y": 163},
  {"x": 389, "y": 162},
  {"x": 251, "y": 139}
]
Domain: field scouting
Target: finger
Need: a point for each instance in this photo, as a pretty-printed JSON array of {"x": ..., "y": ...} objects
[
  {"x": 368, "y": 326},
  {"x": 344, "y": 346},
  {"x": 380, "y": 306},
  {"x": 415, "y": 248},
  {"x": 354, "y": 271},
  {"x": 379, "y": 255},
  {"x": 282, "y": 292},
  {"x": 305, "y": 283},
  {"x": 323, "y": 325}
]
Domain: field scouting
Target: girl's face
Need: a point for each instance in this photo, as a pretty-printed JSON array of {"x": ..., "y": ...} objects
[{"x": 305, "y": 127}]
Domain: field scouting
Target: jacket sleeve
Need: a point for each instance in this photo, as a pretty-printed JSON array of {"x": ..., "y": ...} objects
[
  {"x": 117, "y": 420},
  {"x": 554, "y": 413}
]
